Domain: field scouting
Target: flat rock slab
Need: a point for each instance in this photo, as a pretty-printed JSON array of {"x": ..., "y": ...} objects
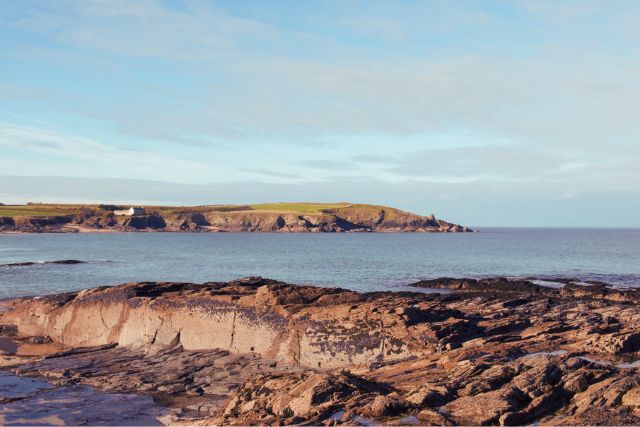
[{"x": 191, "y": 384}]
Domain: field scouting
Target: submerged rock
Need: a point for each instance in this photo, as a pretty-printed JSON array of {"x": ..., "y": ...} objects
[{"x": 28, "y": 263}]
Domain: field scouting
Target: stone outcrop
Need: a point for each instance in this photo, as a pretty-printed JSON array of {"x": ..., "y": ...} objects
[
  {"x": 35, "y": 224},
  {"x": 285, "y": 322},
  {"x": 356, "y": 218},
  {"x": 258, "y": 351},
  {"x": 28, "y": 263},
  {"x": 387, "y": 219}
]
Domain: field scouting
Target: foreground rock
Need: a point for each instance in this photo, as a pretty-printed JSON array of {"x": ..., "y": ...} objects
[
  {"x": 350, "y": 218},
  {"x": 258, "y": 351}
]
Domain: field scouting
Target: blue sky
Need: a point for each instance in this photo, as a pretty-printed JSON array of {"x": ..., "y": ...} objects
[{"x": 483, "y": 112}]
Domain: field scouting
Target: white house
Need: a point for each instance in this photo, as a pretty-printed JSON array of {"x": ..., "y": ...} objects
[{"x": 131, "y": 211}]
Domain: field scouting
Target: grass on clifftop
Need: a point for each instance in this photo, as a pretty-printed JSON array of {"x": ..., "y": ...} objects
[
  {"x": 306, "y": 208},
  {"x": 39, "y": 210}
]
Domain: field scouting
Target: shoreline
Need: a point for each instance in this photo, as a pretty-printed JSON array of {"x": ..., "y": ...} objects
[
  {"x": 493, "y": 351},
  {"x": 85, "y": 230}
]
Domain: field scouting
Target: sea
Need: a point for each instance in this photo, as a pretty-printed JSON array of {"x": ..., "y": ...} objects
[{"x": 358, "y": 261}]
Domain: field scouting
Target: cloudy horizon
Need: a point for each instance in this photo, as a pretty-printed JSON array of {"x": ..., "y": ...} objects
[{"x": 482, "y": 112}]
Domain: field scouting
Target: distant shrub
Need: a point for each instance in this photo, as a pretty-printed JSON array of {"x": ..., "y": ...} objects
[
  {"x": 110, "y": 207},
  {"x": 85, "y": 213}
]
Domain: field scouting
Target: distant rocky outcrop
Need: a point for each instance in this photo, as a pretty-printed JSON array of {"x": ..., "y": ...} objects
[
  {"x": 262, "y": 352},
  {"x": 352, "y": 218}
]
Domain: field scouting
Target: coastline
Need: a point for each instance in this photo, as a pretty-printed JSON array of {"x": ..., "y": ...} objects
[
  {"x": 278, "y": 217},
  {"x": 494, "y": 351},
  {"x": 71, "y": 229}
]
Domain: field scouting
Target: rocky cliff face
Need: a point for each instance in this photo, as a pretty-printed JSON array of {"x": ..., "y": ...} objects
[
  {"x": 258, "y": 351},
  {"x": 284, "y": 322},
  {"x": 35, "y": 224},
  {"x": 348, "y": 219}
]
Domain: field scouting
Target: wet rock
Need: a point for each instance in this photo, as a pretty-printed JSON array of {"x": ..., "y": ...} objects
[
  {"x": 38, "y": 340},
  {"x": 28, "y": 263},
  {"x": 8, "y": 330}
]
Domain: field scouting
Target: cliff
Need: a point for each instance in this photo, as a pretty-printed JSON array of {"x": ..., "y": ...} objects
[
  {"x": 258, "y": 351},
  {"x": 283, "y": 218}
]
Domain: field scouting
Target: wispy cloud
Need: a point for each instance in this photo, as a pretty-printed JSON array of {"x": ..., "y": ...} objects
[
  {"x": 25, "y": 117},
  {"x": 532, "y": 96},
  {"x": 92, "y": 152},
  {"x": 491, "y": 162}
]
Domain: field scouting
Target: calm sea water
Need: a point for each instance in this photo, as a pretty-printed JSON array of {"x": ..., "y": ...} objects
[{"x": 362, "y": 262}]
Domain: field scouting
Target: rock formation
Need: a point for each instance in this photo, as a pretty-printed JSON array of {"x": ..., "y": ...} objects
[{"x": 258, "y": 351}]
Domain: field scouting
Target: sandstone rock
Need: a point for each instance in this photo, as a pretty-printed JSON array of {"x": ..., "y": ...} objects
[
  {"x": 632, "y": 398},
  {"x": 384, "y": 406},
  {"x": 258, "y": 351},
  {"x": 434, "y": 418},
  {"x": 542, "y": 376},
  {"x": 164, "y": 339},
  {"x": 313, "y": 397},
  {"x": 615, "y": 343},
  {"x": 488, "y": 380},
  {"x": 577, "y": 382},
  {"x": 486, "y": 408},
  {"x": 431, "y": 395}
]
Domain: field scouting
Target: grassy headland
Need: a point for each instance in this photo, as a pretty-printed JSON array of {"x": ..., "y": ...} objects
[
  {"x": 259, "y": 217},
  {"x": 306, "y": 208}
]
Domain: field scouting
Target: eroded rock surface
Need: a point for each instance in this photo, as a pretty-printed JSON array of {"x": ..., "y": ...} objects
[{"x": 258, "y": 351}]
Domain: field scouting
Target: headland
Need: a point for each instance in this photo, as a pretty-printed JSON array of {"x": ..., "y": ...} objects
[{"x": 266, "y": 217}]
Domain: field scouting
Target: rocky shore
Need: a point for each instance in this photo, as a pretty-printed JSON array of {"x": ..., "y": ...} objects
[
  {"x": 350, "y": 218},
  {"x": 258, "y": 351}
]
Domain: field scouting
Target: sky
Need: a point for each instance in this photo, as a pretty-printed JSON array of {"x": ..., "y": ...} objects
[{"x": 503, "y": 113}]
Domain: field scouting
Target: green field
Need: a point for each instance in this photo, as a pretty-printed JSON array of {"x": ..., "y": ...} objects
[
  {"x": 39, "y": 210},
  {"x": 307, "y": 208},
  {"x": 301, "y": 207}
]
